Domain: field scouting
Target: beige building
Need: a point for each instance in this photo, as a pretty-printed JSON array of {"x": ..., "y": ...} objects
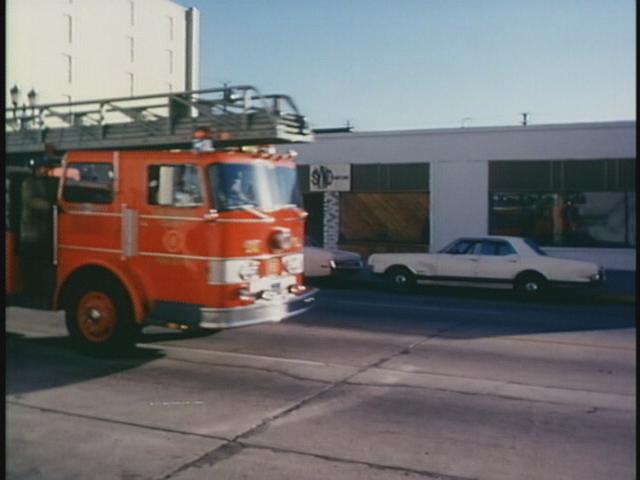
[{"x": 72, "y": 50}]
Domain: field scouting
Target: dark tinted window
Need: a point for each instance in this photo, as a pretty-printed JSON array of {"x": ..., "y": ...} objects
[
  {"x": 460, "y": 247},
  {"x": 504, "y": 248}
]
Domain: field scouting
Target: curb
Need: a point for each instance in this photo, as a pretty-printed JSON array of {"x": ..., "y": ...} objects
[{"x": 617, "y": 298}]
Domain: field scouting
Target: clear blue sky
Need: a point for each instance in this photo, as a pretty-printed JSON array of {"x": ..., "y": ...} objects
[{"x": 408, "y": 64}]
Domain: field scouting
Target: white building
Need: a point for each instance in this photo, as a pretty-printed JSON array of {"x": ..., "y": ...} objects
[
  {"x": 72, "y": 50},
  {"x": 570, "y": 187}
]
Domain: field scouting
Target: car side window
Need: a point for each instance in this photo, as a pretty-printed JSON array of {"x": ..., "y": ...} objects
[
  {"x": 485, "y": 248},
  {"x": 461, "y": 247},
  {"x": 504, "y": 248},
  {"x": 493, "y": 248}
]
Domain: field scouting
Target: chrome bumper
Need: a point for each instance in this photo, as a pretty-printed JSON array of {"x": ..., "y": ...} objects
[{"x": 260, "y": 312}]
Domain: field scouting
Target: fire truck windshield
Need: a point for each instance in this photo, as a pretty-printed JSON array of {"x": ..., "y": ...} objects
[{"x": 258, "y": 185}]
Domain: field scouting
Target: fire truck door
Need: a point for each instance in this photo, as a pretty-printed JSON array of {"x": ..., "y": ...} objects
[{"x": 171, "y": 232}]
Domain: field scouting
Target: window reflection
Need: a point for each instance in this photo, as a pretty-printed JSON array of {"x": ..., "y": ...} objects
[{"x": 579, "y": 219}]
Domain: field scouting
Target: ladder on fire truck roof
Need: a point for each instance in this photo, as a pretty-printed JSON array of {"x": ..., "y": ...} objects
[{"x": 234, "y": 115}]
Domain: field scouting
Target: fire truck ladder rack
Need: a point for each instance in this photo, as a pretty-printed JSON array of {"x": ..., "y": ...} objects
[{"x": 234, "y": 115}]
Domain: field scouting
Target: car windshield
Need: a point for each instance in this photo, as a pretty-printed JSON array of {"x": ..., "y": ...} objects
[
  {"x": 534, "y": 246},
  {"x": 257, "y": 185}
]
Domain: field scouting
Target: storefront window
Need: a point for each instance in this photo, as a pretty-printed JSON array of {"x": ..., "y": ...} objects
[
  {"x": 385, "y": 218},
  {"x": 577, "y": 219}
]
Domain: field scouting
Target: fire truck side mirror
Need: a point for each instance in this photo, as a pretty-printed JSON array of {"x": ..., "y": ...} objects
[{"x": 211, "y": 216}]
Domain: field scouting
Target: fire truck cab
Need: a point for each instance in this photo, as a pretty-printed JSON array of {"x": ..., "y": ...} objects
[{"x": 184, "y": 239}]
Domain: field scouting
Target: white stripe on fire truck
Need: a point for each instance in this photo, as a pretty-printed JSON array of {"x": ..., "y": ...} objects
[{"x": 173, "y": 255}]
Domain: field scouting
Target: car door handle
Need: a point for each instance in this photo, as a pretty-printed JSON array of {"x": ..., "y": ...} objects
[{"x": 474, "y": 259}]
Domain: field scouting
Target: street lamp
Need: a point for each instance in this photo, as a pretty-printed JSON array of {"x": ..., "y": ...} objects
[
  {"x": 32, "y": 96},
  {"x": 15, "y": 98}
]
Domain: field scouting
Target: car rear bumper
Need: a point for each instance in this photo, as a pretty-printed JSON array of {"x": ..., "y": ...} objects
[{"x": 259, "y": 312}]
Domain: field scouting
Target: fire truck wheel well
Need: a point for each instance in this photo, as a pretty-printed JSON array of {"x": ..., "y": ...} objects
[{"x": 82, "y": 276}]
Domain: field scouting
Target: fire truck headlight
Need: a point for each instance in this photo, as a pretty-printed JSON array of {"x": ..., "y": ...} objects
[
  {"x": 249, "y": 270},
  {"x": 293, "y": 264},
  {"x": 280, "y": 239}
]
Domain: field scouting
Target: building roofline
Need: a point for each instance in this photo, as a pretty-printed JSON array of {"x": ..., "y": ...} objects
[{"x": 489, "y": 129}]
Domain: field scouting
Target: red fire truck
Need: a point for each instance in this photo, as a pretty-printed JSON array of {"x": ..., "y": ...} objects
[{"x": 184, "y": 239}]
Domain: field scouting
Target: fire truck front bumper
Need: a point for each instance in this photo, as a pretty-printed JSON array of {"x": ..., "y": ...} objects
[{"x": 262, "y": 311}]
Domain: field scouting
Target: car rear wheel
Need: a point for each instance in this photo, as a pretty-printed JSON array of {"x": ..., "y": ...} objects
[
  {"x": 400, "y": 278},
  {"x": 530, "y": 284}
]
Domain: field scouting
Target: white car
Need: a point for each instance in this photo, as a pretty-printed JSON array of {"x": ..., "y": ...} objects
[
  {"x": 494, "y": 261},
  {"x": 322, "y": 262}
]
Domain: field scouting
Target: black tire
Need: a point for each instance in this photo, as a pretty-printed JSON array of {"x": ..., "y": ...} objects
[
  {"x": 401, "y": 279},
  {"x": 99, "y": 316},
  {"x": 530, "y": 284}
]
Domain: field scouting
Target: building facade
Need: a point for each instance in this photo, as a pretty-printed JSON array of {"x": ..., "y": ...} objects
[
  {"x": 569, "y": 187},
  {"x": 74, "y": 50}
]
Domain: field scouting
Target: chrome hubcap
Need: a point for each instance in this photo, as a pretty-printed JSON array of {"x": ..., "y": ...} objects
[{"x": 94, "y": 314}]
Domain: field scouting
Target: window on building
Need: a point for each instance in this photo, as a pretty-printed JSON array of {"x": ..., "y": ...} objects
[
  {"x": 69, "y": 24},
  {"x": 577, "y": 203},
  {"x": 174, "y": 185},
  {"x": 130, "y": 80},
  {"x": 69, "y": 63},
  {"x": 131, "y": 45},
  {"x": 576, "y": 219},
  {"x": 170, "y": 60},
  {"x": 90, "y": 183},
  {"x": 401, "y": 177},
  {"x": 398, "y": 220}
]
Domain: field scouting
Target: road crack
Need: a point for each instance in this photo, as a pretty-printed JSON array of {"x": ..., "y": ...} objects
[{"x": 236, "y": 444}]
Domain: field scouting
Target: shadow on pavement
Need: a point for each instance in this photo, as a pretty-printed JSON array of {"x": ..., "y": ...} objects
[
  {"x": 454, "y": 312},
  {"x": 620, "y": 286},
  {"x": 162, "y": 335},
  {"x": 42, "y": 363}
]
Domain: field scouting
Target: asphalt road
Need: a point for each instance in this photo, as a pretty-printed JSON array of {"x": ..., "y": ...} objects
[{"x": 368, "y": 385}]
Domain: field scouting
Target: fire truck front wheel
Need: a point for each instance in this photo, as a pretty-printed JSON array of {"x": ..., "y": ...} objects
[{"x": 99, "y": 316}]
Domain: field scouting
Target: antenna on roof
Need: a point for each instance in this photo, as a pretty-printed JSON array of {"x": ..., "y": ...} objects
[{"x": 525, "y": 115}]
